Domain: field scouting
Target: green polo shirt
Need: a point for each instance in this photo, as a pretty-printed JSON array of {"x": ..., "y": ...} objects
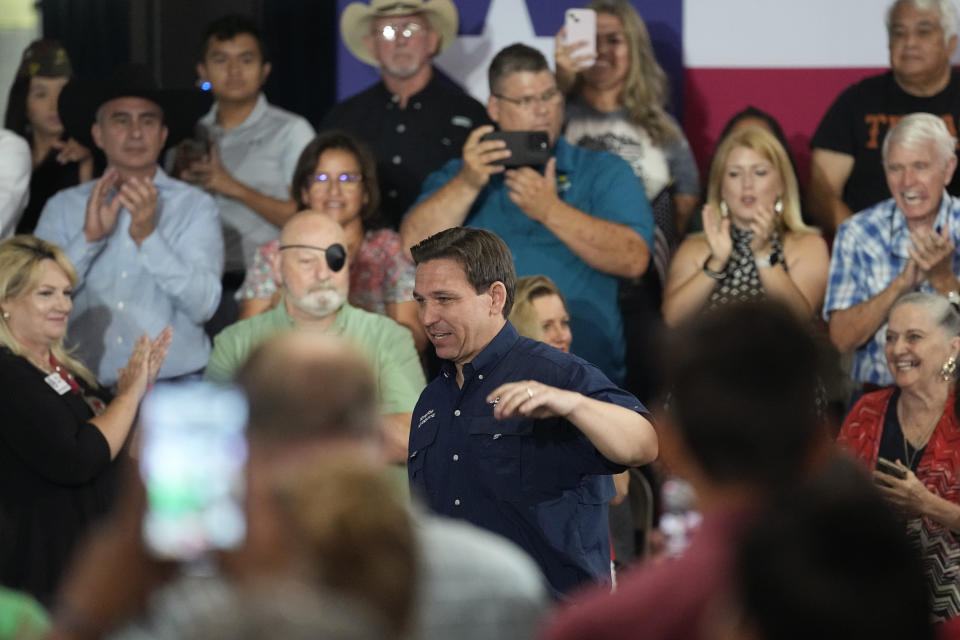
[{"x": 389, "y": 346}]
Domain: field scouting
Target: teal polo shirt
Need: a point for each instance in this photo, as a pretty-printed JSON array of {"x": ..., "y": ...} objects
[
  {"x": 598, "y": 183},
  {"x": 388, "y": 345}
]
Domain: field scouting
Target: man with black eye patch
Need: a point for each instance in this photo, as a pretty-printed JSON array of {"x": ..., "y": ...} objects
[{"x": 313, "y": 267}]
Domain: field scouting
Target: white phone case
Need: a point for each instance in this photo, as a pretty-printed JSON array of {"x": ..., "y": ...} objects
[{"x": 581, "y": 24}]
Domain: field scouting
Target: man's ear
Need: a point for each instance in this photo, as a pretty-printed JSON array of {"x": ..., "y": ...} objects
[
  {"x": 265, "y": 72},
  {"x": 493, "y": 108},
  {"x": 201, "y": 71},
  {"x": 164, "y": 132},
  {"x": 97, "y": 134},
  {"x": 951, "y": 167},
  {"x": 434, "y": 41},
  {"x": 498, "y": 296},
  {"x": 275, "y": 267}
]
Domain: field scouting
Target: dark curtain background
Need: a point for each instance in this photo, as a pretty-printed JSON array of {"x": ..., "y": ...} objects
[{"x": 166, "y": 36}]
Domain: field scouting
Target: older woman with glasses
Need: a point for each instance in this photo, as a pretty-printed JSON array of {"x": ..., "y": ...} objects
[{"x": 336, "y": 174}]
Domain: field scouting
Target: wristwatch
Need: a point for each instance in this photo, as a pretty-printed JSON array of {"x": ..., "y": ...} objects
[{"x": 770, "y": 260}]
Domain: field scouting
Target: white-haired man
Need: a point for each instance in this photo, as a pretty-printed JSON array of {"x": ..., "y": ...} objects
[
  {"x": 845, "y": 167},
  {"x": 902, "y": 244}
]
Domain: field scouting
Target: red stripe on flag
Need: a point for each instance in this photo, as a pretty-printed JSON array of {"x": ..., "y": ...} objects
[{"x": 797, "y": 98}]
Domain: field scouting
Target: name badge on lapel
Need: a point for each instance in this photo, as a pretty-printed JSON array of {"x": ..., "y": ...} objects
[{"x": 57, "y": 383}]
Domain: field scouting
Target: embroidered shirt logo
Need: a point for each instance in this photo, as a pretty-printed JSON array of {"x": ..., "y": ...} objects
[{"x": 429, "y": 415}]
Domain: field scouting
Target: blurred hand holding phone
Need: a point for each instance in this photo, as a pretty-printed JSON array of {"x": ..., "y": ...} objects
[
  {"x": 191, "y": 150},
  {"x": 580, "y": 25},
  {"x": 193, "y": 466}
]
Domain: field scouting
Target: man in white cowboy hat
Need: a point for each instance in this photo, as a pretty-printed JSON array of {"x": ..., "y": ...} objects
[{"x": 413, "y": 120}]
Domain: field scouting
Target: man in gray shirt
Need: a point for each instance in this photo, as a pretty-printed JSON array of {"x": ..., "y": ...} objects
[{"x": 253, "y": 152}]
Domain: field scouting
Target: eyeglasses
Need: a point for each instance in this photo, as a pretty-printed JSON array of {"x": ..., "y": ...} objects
[
  {"x": 391, "y": 32},
  {"x": 527, "y": 103},
  {"x": 335, "y": 254},
  {"x": 345, "y": 180}
]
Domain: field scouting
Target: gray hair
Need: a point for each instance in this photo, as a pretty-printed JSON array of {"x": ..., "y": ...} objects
[
  {"x": 917, "y": 129},
  {"x": 944, "y": 314},
  {"x": 946, "y": 9}
]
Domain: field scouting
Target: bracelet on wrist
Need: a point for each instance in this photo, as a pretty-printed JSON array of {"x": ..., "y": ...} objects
[{"x": 716, "y": 275}]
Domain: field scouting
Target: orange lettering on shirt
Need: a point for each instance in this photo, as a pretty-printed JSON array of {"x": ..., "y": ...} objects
[{"x": 874, "y": 120}]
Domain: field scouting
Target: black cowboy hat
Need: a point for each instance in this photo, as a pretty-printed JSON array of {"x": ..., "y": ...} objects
[{"x": 79, "y": 101}]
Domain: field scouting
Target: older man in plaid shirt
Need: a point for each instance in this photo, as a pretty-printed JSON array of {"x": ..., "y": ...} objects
[{"x": 899, "y": 245}]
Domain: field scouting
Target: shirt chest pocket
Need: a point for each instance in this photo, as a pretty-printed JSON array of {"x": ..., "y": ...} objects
[
  {"x": 497, "y": 447},
  {"x": 421, "y": 438}
]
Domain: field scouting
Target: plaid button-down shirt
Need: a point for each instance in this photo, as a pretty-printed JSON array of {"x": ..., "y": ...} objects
[{"x": 869, "y": 251}]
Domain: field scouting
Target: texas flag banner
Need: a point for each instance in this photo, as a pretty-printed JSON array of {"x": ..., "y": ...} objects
[{"x": 788, "y": 58}]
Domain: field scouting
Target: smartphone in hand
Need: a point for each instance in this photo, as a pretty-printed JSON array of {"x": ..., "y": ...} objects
[
  {"x": 581, "y": 25},
  {"x": 527, "y": 148},
  {"x": 890, "y": 469},
  {"x": 193, "y": 465}
]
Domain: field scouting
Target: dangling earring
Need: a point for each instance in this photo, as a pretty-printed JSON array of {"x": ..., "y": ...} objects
[
  {"x": 949, "y": 369},
  {"x": 6, "y": 314},
  {"x": 724, "y": 209},
  {"x": 778, "y": 205}
]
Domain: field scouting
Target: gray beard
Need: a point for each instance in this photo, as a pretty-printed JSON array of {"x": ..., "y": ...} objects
[{"x": 320, "y": 303}]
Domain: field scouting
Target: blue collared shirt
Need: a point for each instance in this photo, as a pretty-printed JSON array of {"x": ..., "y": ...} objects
[
  {"x": 601, "y": 185},
  {"x": 123, "y": 291},
  {"x": 540, "y": 483},
  {"x": 869, "y": 252}
]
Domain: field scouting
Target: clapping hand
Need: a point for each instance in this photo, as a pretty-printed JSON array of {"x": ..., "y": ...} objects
[
  {"x": 139, "y": 197},
  {"x": 101, "y": 215},
  {"x": 717, "y": 230},
  {"x": 144, "y": 363},
  {"x": 158, "y": 353},
  {"x": 762, "y": 225},
  {"x": 933, "y": 254}
]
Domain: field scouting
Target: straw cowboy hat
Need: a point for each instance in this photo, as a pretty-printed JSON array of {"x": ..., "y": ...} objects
[{"x": 355, "y": 22}]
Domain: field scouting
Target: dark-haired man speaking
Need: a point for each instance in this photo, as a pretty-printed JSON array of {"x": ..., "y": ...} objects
[{"x": 514, "y": 435}]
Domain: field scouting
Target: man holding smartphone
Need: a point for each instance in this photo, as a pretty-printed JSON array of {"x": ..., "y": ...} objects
[
  {"x": 252, "y": 148},
  {"x": 584, "y": 221}
]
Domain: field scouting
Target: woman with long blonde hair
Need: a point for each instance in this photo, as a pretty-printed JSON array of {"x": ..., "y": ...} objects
[
  {"x": 61, "y": 434},
  {"x": 754, "y": 243}
]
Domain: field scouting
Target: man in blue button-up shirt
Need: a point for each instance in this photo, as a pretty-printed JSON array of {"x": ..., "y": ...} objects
[
  {"x": 514, "y": 435},
  {"x": 147, "y": 248},
  {"x": 584, "y": 220},
  {"x": 902, "y": 244}
]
